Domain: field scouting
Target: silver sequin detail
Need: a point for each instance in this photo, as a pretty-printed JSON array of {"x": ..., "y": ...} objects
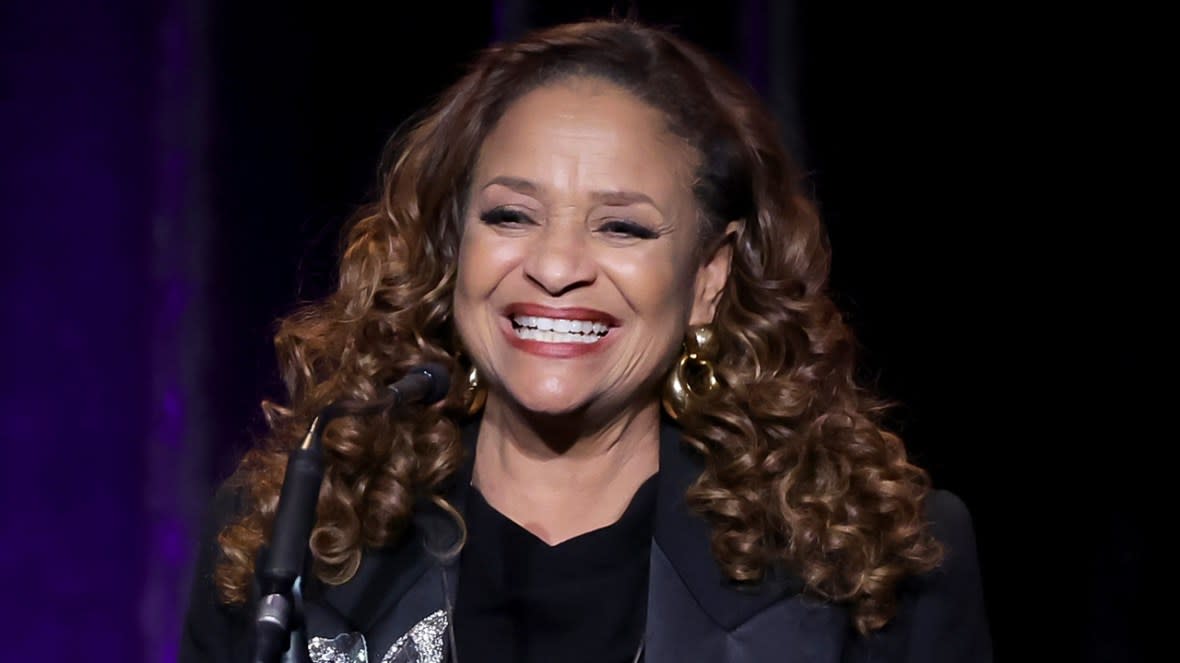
[
  {"x": 423, "y": 643},
  {"x": 344, "y": 648}
]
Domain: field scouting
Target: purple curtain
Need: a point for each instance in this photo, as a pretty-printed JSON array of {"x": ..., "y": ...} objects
[{"x": 102, "y": 186}]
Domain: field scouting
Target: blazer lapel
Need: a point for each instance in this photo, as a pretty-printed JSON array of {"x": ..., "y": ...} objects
[
  {"x": 398, "y": 588},
  {"x": 692, "y": 605},
  {"x": 682, "y": 561}
]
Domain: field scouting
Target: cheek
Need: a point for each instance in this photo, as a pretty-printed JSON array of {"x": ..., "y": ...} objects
[
  {"x": 468, "y": 282},
  {"x": 484, "y": 260},
  {"x": 657, "y": 285}
]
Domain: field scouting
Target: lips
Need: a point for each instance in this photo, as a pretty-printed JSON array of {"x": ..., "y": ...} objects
[
  {"x": 566, "y": 313},
  {"x": 592, "y": 333}
]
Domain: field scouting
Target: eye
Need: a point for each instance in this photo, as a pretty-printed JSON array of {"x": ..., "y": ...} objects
[
  {"x": 503, "y": 216},
  {"x": 625, "y": 228}
]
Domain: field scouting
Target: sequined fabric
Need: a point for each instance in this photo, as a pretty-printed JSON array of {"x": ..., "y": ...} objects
[
  {"x": 344, "y": 648},
  {"x": 423, "y": 643}
]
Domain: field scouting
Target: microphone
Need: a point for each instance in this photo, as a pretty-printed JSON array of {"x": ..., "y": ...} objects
[
  {"x": 279, "y": 613},
  {"x": 426, "y": 384}
]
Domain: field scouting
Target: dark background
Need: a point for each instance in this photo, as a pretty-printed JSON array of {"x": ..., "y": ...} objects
[{"x": 175, "y": 175}]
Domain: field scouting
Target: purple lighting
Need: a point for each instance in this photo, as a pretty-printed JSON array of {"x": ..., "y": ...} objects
[
  {"x": 176, "y": 447},
  {"x": 102, "y": 112},
  {"x": 73, "y": 104}
]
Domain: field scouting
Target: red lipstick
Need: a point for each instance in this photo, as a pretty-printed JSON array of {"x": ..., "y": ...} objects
[
  {"x": 569, "y": 313},
  {"x": 557, "y": 350}
]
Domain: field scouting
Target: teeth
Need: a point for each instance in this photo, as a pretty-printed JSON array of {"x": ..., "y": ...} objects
[
  {"x": 555, "y": 337},
  {"x": 558, "y": 330}
]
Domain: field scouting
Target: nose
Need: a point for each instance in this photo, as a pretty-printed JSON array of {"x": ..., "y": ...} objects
[{"x": 559, "y": 259}]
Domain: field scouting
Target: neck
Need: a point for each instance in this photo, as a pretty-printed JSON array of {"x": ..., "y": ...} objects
[{"x": 560, "y": 477}]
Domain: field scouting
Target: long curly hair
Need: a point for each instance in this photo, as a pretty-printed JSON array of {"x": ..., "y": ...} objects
[{"x": 797, "y": 468}]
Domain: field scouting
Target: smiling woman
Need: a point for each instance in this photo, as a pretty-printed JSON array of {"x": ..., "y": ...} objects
[
  {"x": 593, "y": 217},
  {"x": 582, "y": 215}
]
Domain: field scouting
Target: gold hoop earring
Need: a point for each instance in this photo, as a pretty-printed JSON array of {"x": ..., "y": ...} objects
[
  {"x": 475, "y": 393},
  {"x": 693, "y": 378}
]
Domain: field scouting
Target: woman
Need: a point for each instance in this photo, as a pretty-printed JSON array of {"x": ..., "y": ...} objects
[{"x": 596, "y": 224}]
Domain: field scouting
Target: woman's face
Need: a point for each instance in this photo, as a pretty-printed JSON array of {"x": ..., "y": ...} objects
[{"x": 578, "y": 267}]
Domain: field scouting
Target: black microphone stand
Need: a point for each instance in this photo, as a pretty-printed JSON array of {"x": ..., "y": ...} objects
[{"x": 280, "y": 633}]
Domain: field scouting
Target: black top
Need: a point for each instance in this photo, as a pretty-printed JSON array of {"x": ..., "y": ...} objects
[
  {"x": 521, "y": 600},
  {"x": 694, "y": 612}
]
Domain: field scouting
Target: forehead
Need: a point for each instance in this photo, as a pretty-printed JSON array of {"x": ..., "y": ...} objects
[{"x": 587, "y": 133}]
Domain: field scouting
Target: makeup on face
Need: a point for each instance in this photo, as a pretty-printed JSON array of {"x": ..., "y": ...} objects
[
  {"x": 577, "y": 266},
  {"x": 558, "y": 332}
]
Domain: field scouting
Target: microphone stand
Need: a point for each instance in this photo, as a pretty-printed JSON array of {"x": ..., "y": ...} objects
[
  {"x": 279, "y": 631},
  {"x": 279, "y": 628}
]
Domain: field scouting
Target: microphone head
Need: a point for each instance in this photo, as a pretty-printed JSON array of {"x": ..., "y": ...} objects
[{"x": 440, "y": 381}]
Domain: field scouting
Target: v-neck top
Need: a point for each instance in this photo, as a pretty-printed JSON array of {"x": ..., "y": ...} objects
[{"x": 521, "y": 600}]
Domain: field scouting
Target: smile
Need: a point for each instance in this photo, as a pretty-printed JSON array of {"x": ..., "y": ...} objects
[{"x": 558, "y": 330}]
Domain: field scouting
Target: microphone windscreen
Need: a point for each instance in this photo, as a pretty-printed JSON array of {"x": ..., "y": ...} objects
[{"x": 440, "y": 381}]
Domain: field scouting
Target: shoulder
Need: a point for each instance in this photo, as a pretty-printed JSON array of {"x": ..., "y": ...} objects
[
  {"x": 229, "y": 502},
  {"x": 214, "y": 631},
  {"x": 951, "y": 524},
  {"x": 941, "y": 614}
]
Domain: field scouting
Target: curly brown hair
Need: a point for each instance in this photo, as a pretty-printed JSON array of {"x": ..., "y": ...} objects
[{"x": 798, "y": 470}]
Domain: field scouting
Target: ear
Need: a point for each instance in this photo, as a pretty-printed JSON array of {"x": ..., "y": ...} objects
[{"x": 712, "y": 276}]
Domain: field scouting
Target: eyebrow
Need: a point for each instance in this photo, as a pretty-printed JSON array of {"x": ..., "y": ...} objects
[{"x": 606, "y": 197}]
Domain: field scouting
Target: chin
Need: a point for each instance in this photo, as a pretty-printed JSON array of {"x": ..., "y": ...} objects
[{"x": 549, "y": 404}]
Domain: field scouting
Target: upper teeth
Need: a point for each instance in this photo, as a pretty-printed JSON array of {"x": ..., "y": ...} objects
[{"x": 560, "y": 324}]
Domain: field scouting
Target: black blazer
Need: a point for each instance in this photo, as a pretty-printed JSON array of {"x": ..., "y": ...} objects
[{"x": 396, "y": 606}]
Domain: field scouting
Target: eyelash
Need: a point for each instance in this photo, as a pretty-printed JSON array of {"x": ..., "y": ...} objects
[
  {"x": 629, "y": 228},
  {"x": 500, "y": 216}
]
